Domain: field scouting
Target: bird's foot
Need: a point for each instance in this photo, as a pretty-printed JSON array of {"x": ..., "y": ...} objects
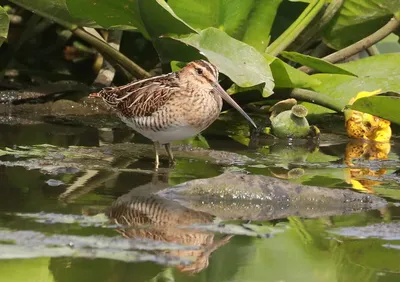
[{"x": 172, "y": 163}]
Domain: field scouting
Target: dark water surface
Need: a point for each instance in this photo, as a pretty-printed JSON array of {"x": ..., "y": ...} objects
[{"x": 60, "y": 219}]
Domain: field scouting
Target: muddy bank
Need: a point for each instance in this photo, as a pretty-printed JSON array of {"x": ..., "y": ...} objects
[{"x": 257, "y": 197}]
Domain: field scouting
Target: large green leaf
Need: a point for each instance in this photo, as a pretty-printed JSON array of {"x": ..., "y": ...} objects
[
  {"x": 55, "y": 10},
  {"x": 386, "y": 107},
  {"x": 286, "y": 76},
  {"x": 243, "y": 64},
  {"x": 384, "y": 66},
  {"x": 247, "y": 20},
  {"x": 314, "y": 63},
  {"x": 151, "y": 17},
  {"x": 343, "y": 87},
  {"x": 108, "y": 13},
  {"x": 4, "y": 22},
  {"x": 376, "y": 72},
  {"x": 358, "y": 19}
]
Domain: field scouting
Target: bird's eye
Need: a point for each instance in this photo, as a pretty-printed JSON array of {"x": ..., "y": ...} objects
[{"x": 199, "y": 71}]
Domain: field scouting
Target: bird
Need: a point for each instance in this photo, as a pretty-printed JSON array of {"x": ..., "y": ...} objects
[{"x": 172, "y": 106}]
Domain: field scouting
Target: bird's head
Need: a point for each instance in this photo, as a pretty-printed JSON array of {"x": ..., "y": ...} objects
[{"x": 204, "y": 75}]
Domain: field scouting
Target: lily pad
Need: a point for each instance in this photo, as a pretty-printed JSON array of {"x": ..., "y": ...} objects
[
  {"x": 286, "y": 76},
  {"x": 243, "y": 64},
  {"x": 383, "y": 66},
  {"x": 247, "y": 20},
  {"x": 377, "y": 72},
  {"x": 140, "y": 14},
  {"x": 343, "y": 87},
  {"x": 386, "y": 107}
]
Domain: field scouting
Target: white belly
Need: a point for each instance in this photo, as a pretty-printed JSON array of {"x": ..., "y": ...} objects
[
  {"x": 170, "y": 134},
  {"x": 164, "y": 136}
]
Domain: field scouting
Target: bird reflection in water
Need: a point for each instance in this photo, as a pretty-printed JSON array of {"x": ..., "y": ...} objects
[{"x": 160, "y": 219}]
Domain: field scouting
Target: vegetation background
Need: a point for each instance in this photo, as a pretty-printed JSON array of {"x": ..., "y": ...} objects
[{"x": 266, "y": 50}]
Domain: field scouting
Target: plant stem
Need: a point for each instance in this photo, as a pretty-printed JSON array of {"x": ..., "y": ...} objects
[
  {"x": 373, "y": 51},
  {"x": 315, "y": 98},
  {"x": 321, "y": 50},
  {"x": 286, "y": 38},
  {"x": 368, "y": 41},
  {"x": 361, "y": 45},
  {"x": 111, "y": 53},
  {"x": 106, "y": 73},
  {"x": 308, "y": 37}
]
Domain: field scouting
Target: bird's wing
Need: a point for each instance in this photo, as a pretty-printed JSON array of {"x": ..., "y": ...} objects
[{"x": 141, "y": 98}]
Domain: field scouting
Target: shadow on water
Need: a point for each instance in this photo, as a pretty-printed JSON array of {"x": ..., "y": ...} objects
[{"x": 87, "y": 206}]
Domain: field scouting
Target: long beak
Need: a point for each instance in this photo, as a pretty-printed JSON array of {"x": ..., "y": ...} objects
[{"x": 231, "y": 102}]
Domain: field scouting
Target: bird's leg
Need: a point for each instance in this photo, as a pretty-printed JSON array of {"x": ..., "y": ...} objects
[
  {"x": 157, "y": 159},
  {"x": 169, "y": 152}
]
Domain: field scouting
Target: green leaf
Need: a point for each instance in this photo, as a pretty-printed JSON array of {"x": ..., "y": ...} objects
[
  {"x": 386, "y": 107},
  {"x": 244, "y": 65},
  {"x": 344, "y": 87},
  {"x": 315, "y": 63},
  {"x": 247, "y": 20},
  {"x": 167, "y": 21},
  {"x": 35, "y": 269},
  {"x": 385, "y": 66},
  {"x": 55, "y": 10},
  {"x": 108, "y": 13},
  {"x": 358, "y": 19},
  {"x": 4, "y": 22},
  {"x": 286, "y": 76},
  {"x": 176, "y": 65},
  {"x": 376, "y": 72},
  {"x": 152, "y": 18}
]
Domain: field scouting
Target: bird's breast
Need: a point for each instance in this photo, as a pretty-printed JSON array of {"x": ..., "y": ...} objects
[
  {"x": 183, "y": 116},
  {"x": 203, "y": 110}
]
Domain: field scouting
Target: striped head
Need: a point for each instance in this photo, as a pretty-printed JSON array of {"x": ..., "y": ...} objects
[
  {"x": 200, "y": 73},
  {"x": 204, "y": 75}
]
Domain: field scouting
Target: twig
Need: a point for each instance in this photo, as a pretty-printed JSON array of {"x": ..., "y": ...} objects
[
  {"x": 321, "y": 50},
  {"x": 111, "y": 53},
  {"x": 361, "y": 45},
  {"x": 368, "y": 41},
  {"x": 107, "y": 72}
]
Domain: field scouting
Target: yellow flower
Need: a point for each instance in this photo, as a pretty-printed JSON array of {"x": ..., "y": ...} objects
[{"x": 365, "y": 126}]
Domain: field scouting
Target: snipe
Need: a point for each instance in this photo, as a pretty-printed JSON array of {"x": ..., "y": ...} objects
[{"x": 173, "y": 106}]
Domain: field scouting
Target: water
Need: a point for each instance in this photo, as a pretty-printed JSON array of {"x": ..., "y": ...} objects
[{"x": 56, "y": 203}]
